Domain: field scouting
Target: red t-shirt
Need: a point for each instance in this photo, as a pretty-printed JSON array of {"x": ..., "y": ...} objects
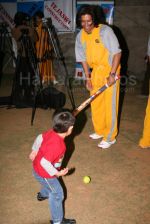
[{"x": 52, "y": 149}]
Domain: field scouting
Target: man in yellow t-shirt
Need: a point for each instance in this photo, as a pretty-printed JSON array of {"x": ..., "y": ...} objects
[{"x": 98, "y": 50}]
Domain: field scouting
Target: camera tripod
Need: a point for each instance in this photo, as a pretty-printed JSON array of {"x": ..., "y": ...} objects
[
  {"x": 53, "y": 38},
  {"x": 26, "y": 81},
  {"x": 54, "y": 42}
]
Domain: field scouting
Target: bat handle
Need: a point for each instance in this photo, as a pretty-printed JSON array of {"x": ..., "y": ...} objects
[{"x": 75, "y": 112}]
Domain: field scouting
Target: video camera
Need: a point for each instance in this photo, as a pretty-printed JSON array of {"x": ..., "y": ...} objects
[{"x": 47, "y": 22}]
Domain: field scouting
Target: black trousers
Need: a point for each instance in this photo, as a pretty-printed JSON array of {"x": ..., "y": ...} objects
[
  {"x": 23, "y": 85},
  {"x": 145, "y": 85}
]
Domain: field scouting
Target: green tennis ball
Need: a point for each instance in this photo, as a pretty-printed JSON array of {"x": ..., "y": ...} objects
[{"x": 86, "y": 179}]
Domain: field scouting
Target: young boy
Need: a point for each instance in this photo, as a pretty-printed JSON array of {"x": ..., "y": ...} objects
[{"x": 47, "y": 155}]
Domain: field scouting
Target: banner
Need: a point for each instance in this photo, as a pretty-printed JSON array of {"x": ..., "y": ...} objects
[
  {"x": 62, "y": 14},
  {"x": 108, "y": 8},
  {"x": 6, "y": 15},
  {"x": 30, "y": 7}
]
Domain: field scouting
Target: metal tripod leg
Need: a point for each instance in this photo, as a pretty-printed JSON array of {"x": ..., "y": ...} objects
[
  {"x": 34, "y": 110},
  {"x": 69, "y": 91},
  {"x": 38, "y": 94},
  {"x": 33, "y": 114}
]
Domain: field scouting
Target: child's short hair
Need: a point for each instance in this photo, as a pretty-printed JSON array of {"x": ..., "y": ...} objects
[{"x": 62, "y": 121}]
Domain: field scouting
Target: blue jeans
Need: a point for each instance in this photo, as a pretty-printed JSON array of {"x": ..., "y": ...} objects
[{"x": 52, "y": 189}]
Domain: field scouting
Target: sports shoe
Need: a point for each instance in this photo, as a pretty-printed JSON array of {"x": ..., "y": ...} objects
[
  {"x": 95, "y": 136},
  {"x": 144, "y": 147},
  {"x": 66, "y": 221},
  {"x": 40, "y": 197},
  {"x": 105, "y": 145}
]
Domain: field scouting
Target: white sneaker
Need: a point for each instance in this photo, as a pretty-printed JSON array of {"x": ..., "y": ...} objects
[
  {"x": 95, "y": 136},
  {"x": 105, "y": 145}
]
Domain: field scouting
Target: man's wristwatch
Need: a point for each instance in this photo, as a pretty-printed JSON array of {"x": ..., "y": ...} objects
[{"x": 113, "y": 74}]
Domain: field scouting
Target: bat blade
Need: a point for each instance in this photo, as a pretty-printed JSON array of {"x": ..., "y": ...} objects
[{"x": 89, "y": 100}]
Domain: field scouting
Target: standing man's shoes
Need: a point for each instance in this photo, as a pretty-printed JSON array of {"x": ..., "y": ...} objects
[
  {"x": 40, "y": 197},
  {"x": 105, "y": 145},
  {"x": 95, "y": 136}
]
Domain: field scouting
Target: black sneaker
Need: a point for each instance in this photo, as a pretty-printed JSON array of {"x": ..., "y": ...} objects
[
  {"x": 66, "y": 221},
  {"x": 40, "y": 197}
]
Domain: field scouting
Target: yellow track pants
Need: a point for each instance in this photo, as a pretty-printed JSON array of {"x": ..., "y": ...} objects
[{"x": 105, "y": 107}]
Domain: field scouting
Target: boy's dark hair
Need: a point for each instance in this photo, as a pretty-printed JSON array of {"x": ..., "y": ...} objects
[{"x": 62, "y": 121}]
